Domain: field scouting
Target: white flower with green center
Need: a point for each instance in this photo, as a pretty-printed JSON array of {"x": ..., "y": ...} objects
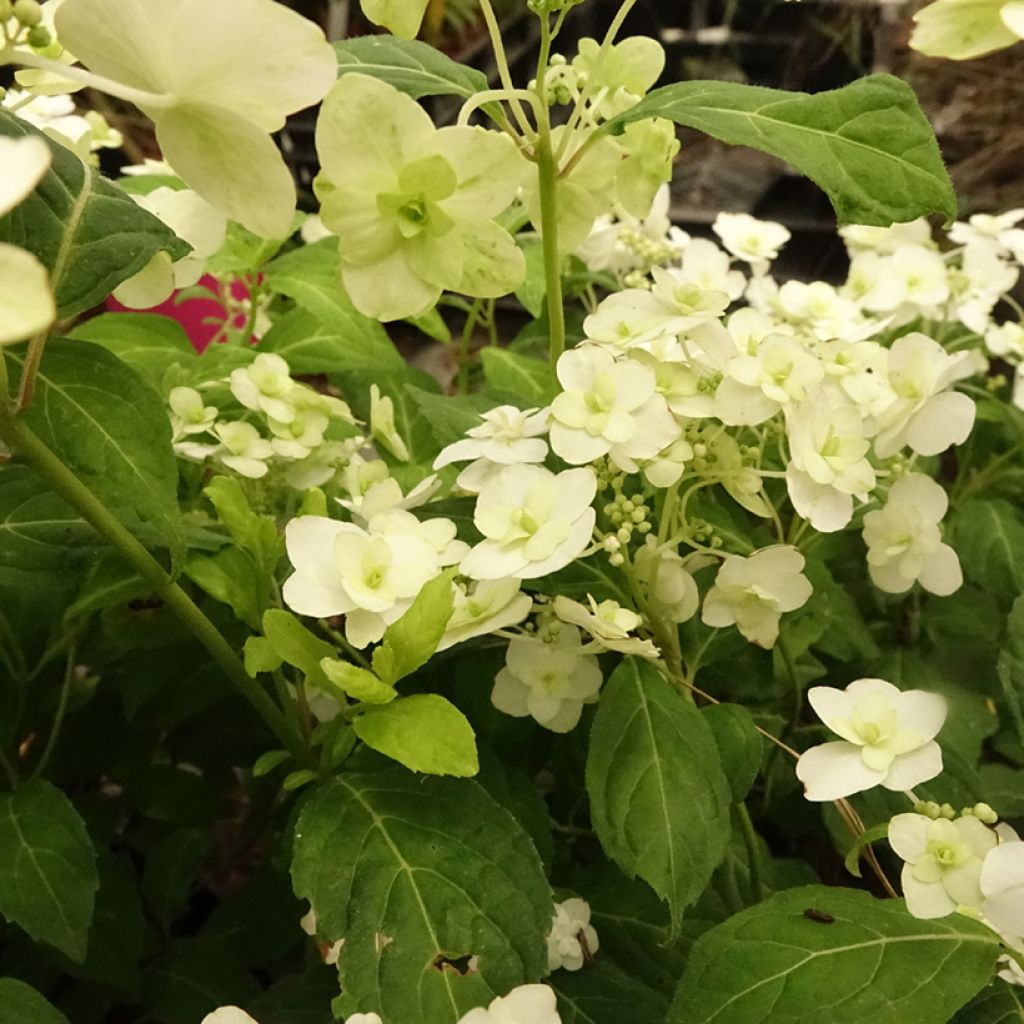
[
  {"x": 383, "y": 493},
  {"x": 943, "y": 859},
  {"x": 414, "y": 205},
  {"x": 999, "y": 232},
  {"x": 572, "y": 939},
  {"x": 484, "y": 607},
  {"x": 241, "y": 448},
  {"x": 300, "y": 436},
  {"x": 216, "y": 79},
  {"x": 753, "y": 593},
  {"x": 528, "y": 1004},
  {"x": 754, "y": 241},
  {"x": 534, "y": 522},
  {"x": 759, "y": 383},
  {"x": 370, "y": 576},
  {"x": 925, "y": 415},
  {"x": 1006, "y": 341},
  {"x": 547, "y": 680},
  {"x": 1002, "y": 885},
  {"x": 266, "y": 386},
  {"x": 189, "y": 413},
  {"x": 621, "y": 75},
  {"x": 964, "y": 29},
  {"x": 905, "y": 543},
  {"x": 26, "y": 302},
  {"x": 668, "y": 581},
  {"x": 609, "y": 624},
  {"x": 193, "y": 220},
  {"x": 705, "y": 265},
  {"x": 914, "y": 275},
  {"x": 400, "y": 17},
  {"x": 608, "y": 407},
  {"x": 888, "y": 739}
]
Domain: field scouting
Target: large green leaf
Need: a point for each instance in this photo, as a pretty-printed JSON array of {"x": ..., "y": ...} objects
[
  {"x": 853, "y": 958},
  {"x": 998, "y": 1004},
  {"x": 112, "y": 431},
  {"x": 603, "y": 993},
  {"x": 86, "y": 231},
  {"x": 418, "y": 875},
  {"x": 1011, "y": 666},
  {"x": 20, "y": 1004},
  {"x": 530, "y": 380},
  {"x": 868, "y": 145},
  {"x": 415, "y": 68},
  {"x": 48, "y": 877},
  {"x": 658, "y": 796},
  {"x": 327, "y": 334},
  {"x": 990, "y": 542}
]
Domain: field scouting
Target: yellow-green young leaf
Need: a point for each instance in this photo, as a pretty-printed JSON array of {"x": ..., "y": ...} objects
[
  {"x": 296, "y": 645},
  {"x": 830, "y": 956},
  {"x": 424, "y": 732},
  {"x": 86, "y": 231},
  {"x": 659, "y": 799},
  {"x": 415, "y": 873},
  {"x": 357, "y": 682},
  {"x": 409, "y": 643},
  {"x": 868, "y": 145},
  {"x": 258, "y": 534},
  {"x": 260, "y": 656},
  {"x": 48, "y": 877},
  {"x": 112, "y": 431},
  {"x": 21, "y": 1004}
]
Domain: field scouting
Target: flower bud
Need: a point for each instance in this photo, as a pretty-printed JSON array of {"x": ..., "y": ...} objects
[
  {"x": 28, "y": 12},
  {"x": 928, "y": 808},
  {"x": 39, "y": 38},
  {"x": 6, "y": 9},
  {"x": 947, "y": 811},
  {"x": 985, "y": 814}
]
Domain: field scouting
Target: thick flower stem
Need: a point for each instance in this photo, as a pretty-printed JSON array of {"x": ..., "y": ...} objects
[{"x": 23, "y": 441}]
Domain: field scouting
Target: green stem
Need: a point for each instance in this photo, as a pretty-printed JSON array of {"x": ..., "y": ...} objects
[
  {"x": 753, "y": 853},
  {"x": 33, "y": 357},
  {"x": 23, "y": 441},
  {"x": 465, "y": 341},
  {"x": 62, "y": 706},
  {"x": 501, "y": 58}
]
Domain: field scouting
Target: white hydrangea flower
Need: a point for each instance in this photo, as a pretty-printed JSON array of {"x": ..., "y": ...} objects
[
  {"x": 913, "y": 275},
  {"x": 320, "y": 466},
  {"x": 860, "y": 237},
  {"x": 1002, "y": 885},
  {"x": 608, "y": 408},
  {"x": 705, "y": 265},
  {"x": 241, "y": 449},
  {"x": 925, "y": 415},
  {"x": 757, "y": 384},
  {"x": 572, "y": 939},
  {"x": 1006, "y": 340},
  {"x": 193, "y": 220},
  {"x": 266, "y": 386},
  {"x": 363, "y": 1018},
  {"x": 608, "y": 623},
  {"x": 819, "y": 308},
  {"x": 905, "y": 543},
  {"x": 859, "y": 371},
  {"x": 984, "y": 278},
  {"x": 370, "y": 576},
  {"x": 999, "y": 231},
  {"x": 943, "y": 861},
  {"x": 484, "y": 607},
  {"x": 548, "y": 681},
  {"x": 528, "y": 1004},
  {"x": 1010, "y": 970},
  {"x": 534, "y": 522},
  {"x": 378, "y": 492},
  {"x": 668, "y": 580},
  {"x": 749, "y": 239},
  {"x": 667, "y": 467},
  {"x": 382, "y": 425},
  {"x": 507, "y": 436},
  {"x": 189, "y": 413},
  {"x": 753, "y": 593},
  {"x": 229, "y": 1015},
  {"x": 888, "y": 739}
]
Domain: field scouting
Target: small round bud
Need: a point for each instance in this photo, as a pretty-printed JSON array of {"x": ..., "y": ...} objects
[
  {"x": 627, "y": 507},
  {"x": 928, "y": 808},
  {"x": 984, "y": 813},
  {"x": 639, "y": 515},
  {"x": 558, "y": 60},
  {"x": 947, "y": 811},
  {"x": 617, "y": 560},
  {"x": 612, "y": 544},
  {"x": 28, "y": 12},
  {"x": 624, "y": 534},
  {"x": 39, "y": 38},
  {"x": 6, "y": 9},
  {"x": 644, "y": 527}
]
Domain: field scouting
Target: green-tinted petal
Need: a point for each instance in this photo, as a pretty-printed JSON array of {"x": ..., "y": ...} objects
[
  {"x": 367, "y": 232},
  {"x": 389, "y": 289},
  {"x": 493, "y": 264},
  {"x": 438, "y": 261},
  {"x": 489, "y": 167},
  {"x": 402, "y": 17},
  {"x": 232, "y": 164},
  {"x": 26, "y": 302},
  {"x": 959, "y": 30}
]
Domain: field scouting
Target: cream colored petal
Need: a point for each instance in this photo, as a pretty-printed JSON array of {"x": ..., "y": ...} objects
[
  {"x": 26, "y": 303},
  {"x": 23, "y": 162}
]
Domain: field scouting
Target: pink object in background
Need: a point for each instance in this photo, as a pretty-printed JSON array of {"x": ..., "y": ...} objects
[{"x": 202, "y": 317}]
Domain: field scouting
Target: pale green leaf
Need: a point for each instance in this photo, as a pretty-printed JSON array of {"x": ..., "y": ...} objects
[
  {"x": 409, "y": 643},
  {"x": 296, "y": 645},
  {"x": 412, "y": 67},
  {"x": 413, "y": 872},
  {"x": 48, "y": 877},
  {"x": 424, "y": 732},
  {"x": 659, "y": 799},
  {"x": 357, "y": 683},
  {"x": 857, "y": 959},
  {"x": 21, "y": 1004},
  {"x": 85, "y": 230},
  {"x": 868, "y": 144}
]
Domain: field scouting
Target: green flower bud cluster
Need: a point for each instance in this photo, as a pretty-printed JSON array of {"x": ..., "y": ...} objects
[
  {"x": 543, "y": 8},
  {"x": 29, "y": 16},
  {"x": 652, "y": 252},
  {"x": 637, "y": 279},
  {"x": 930, "y": 809},
  {"x": 629, "y": 515},
  {"x": 703, "y": 532},
  {"x": 983, "y": 812}
]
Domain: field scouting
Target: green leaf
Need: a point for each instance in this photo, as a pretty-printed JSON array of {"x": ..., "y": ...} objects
[
  {"x": 450, "y": 416},
  {"x": 740, "y": 746},
  {"x": 990, "y": 541},
  {"x": 868, "y": 145},
  {"x": 857, "y": 959},
  {"x": 231, "y": 577},
  {"x": 257, "y": 534},
  {"x": 658, "y": 796},
  {"x": 326, "y": 334},
  {"x": 424, "y": 732},
  {"x": 20, "y": 1004},
  {"x": 149, "y": 343},
  {"x": 48, "y": 877},
  {"x": 296, "y": 645},
  {"x": 534, "y": 289},
  {"x": 85, "y": 230},
  {"x": 530, "y": 380},
  {"x": 1011, "y": 666},
  {"x": 852, "y": 859},
  {"x": 171, "y": 870},
  {"x": 998, "y": 1004},
  {"x": 602, "y": 993},
  {"x": 409, "y": 643},
  {"x": 589, "y": 576},
  {"x": 412, "y": 67},
  {"x": 357, "y": 682},
  {"x": 112, "y": 431},
  {"x": 415, "y": 873}
]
